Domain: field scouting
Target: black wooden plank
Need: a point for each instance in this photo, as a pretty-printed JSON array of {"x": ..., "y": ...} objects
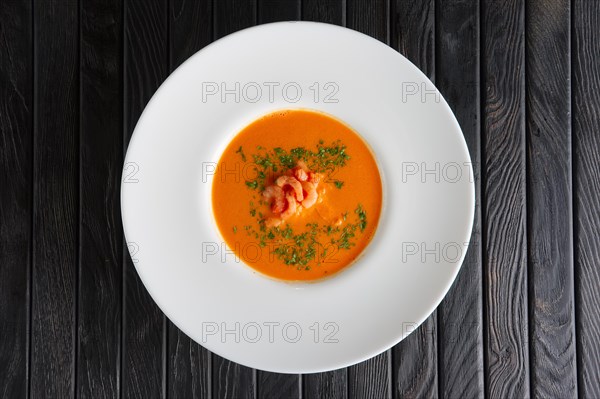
[
  {"x": 460, "y": 335},
  {"x": 414, "y": 363},
  {"x": 370, "y": 17},
  {"x": 549, "y": 211},
  {"x": 16, "y": 159},
  {"x": 413, "y": 32},
  {"x": 329, "y": 385},
  {"x": 328, "y": 11},
  {"x": 414, "y": 360},
  {"x": 100, "y": 265},
  {"x": 233, "y": 15},
  {"x": 275, "y": 385},
  {"x": 190, "y": 25},
  {"x": 278, "y": 10},
  {"x": 586, "y": 168},
  {"x": 371, "y": 378},
  {"x": 191, "y": 28},
  {"x": 229, "y": 379},
  {"x": 504, "y": 208},
  {"x": 144, "y": 325},
  {"x": 232, "y": 380},
  {"x": 55, "y": 199},
  {"x": 189, "y": 367},
  {"x": 333, "y": 384}
]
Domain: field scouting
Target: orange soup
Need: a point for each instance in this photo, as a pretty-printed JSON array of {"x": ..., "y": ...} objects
[{"x": 297, "y": 195}]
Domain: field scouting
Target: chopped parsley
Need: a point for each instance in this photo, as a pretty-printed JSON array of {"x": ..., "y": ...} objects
[
  {"x": 241, "y": 152},
  {"x": 362, "y": 217},
  {"x": 252, "y": 184}
]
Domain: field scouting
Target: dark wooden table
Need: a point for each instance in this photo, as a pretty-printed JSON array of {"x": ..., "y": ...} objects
[{"x": 522, "y": 319}]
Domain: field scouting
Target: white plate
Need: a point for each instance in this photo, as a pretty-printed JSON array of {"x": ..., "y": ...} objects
[{"x": 226, "y": 306}]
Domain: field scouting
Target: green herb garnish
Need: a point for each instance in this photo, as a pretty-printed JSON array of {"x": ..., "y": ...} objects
[
  {"x": 362, "y": 217},
  {"x": 252, "y": 184},
  {"x": 241, "y": 152}
]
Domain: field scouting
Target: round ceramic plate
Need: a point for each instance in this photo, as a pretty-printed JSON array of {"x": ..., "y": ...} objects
[{"x": 223, "y": 304}]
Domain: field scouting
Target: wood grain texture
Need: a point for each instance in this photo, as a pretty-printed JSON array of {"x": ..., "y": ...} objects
[
  {"x": 414, "y": 363},
  {"x": 460, "y": 313},
  {"x": 278, "y": 10},
  {"x": 229, "y": 379},
  {"x": 233, "y": 15},
  {"x": 586, "y": 158},
  {"x": 505, "y": 241},
  {"x": 55, "y": 199},
  {"x": 232, "y": 380},
  {"x": 189, "y": 367},
  {"x": 332, "y": 384},
  {"x": 329, "y": 385},
  {"x": 328, "y": 11},
  {"x": 276, "y": 385},
  {"x": 101, "y": 153},
  {"x": 371, "y": 378},
  {"x": 413, "y": 32},
  {"x": 369, "y": 17},
  {"x": 16, "y": 159},
  {"x": 144, "y": 325},
  {"x": 189, "y": 373},
  {"x": 549, "y": 211},
  {"x": 191, "y": 28},
  {"x": 414, "y": 360}
]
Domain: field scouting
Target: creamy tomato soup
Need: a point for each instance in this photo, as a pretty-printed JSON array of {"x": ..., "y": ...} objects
[{"x": 297, "y": 195}]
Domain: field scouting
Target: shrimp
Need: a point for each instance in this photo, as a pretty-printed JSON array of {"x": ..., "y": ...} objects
[
  {"x": 314, "y": 178},
  {"x": 291, "y": 209},
  {"x": 283, "y": 181},
  {"x": 273, "y": 222},
  {"x": 300, "y": 174},
  {"x": 275, "y": 193},
  {"x": 301, "y": 171},
  {"x": 302, "y": 165},
  {"x": 311, "y": 194}
]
